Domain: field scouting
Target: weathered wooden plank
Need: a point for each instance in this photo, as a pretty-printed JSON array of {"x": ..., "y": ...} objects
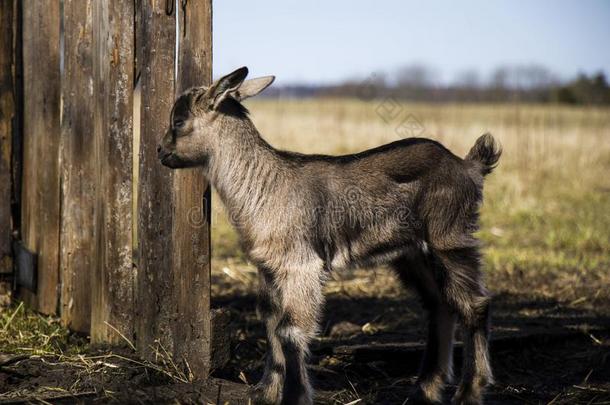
[
  {"x": 191, "y": 197},
  {"x": 156, "y": 43},
  {"x": 17, "y": 122},
  {"x": 41, "y": 132},
  {"x": 78, "y": 175},
  {"x": 8, "y": 114},
  {"x": 114, "y": 275}
]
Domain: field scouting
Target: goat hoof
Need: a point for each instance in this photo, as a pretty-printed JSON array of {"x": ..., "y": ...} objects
[
  {"x": 265, "y": 394},
  {"x": 419, "y": 398},
  {"x": 429, "y": 391},
  {"x": 466, "y": 396}
]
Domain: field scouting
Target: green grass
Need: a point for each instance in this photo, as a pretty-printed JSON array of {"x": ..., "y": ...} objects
[
  {"x": 25, "y": 331},
  {"x": 555, "y": 244}
]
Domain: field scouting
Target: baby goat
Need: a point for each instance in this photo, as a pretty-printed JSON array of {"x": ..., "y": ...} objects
[{"x": 410, "y": 204}]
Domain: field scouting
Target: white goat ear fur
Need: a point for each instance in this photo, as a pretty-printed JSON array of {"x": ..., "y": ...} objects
[{"x": 252, "y": 87}]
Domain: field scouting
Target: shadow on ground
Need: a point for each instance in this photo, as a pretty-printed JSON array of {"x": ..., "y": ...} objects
[{"x": 542, "y": 350}]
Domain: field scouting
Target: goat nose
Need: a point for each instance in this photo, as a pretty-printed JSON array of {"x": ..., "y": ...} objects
[{"x": 161, "y": 153}]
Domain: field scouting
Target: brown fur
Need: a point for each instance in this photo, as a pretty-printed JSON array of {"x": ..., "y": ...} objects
[{"x": 411, "y": 204}]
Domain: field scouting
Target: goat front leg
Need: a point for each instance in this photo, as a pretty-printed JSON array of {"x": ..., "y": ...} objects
[
  {"x": 269, "y": 389},
  {"x": 301, "y": 303}
]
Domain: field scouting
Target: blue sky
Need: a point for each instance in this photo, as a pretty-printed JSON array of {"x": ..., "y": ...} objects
[{"x": 329, "y": 41}]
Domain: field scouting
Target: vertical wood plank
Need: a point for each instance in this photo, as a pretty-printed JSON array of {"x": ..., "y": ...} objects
[
  {"x": 8, "y": 116},
  {"x": 41, "y": 132},
  {"x": 191, "y": 198},
  {"x": 114, "y": 274},
  {"x": 78, "y": 175},
  {"x": 156, "y": 44},
  {"x": 173, "y": 300}
]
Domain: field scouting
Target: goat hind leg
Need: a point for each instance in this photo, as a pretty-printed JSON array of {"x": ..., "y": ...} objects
[
  {"x": 464, "y": 291},
  {"x": 476, "y": 370},
  {"x": 437, "y": 364}
]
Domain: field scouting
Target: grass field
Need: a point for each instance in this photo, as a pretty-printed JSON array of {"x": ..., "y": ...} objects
[
  {"x": 546, "y": 236},
  {"x": 547, "y": 206}
]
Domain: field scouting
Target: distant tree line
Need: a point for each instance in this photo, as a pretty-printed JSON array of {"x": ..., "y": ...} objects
[
  {"x": 507, "y": 84},
  {"x": 584, "y": 90}
]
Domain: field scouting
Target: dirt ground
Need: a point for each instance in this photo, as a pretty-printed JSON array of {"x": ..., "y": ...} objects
[{"x": 544, "y": 350}]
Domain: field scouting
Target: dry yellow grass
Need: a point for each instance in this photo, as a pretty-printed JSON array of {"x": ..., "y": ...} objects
[{"x": 546, "y": 209}]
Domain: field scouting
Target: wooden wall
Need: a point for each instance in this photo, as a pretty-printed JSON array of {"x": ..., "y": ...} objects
[{"x": 119, "y": 255}]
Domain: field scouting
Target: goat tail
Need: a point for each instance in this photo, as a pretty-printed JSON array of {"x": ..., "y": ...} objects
[{"x": 486, "y": 152}]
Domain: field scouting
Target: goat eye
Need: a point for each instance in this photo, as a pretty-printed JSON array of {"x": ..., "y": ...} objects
[{"x": 178, "y": 124}]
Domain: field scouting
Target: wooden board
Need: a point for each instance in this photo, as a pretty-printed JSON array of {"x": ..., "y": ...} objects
[
  {"x": 41, "y": 133},
  {"x": 8, "y": 111},
  {"x": 114, "y": 275},
  {"x": 191, "y": 202},
  {"x": 173, "y": 301},
  {"x": 156, "y": 41},
  {"x": 78, "y": 174}
]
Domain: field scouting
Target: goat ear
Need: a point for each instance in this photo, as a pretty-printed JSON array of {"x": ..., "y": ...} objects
[
  {"x": 226, "y": 85},
  {"x": 252, "y": 87}
]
